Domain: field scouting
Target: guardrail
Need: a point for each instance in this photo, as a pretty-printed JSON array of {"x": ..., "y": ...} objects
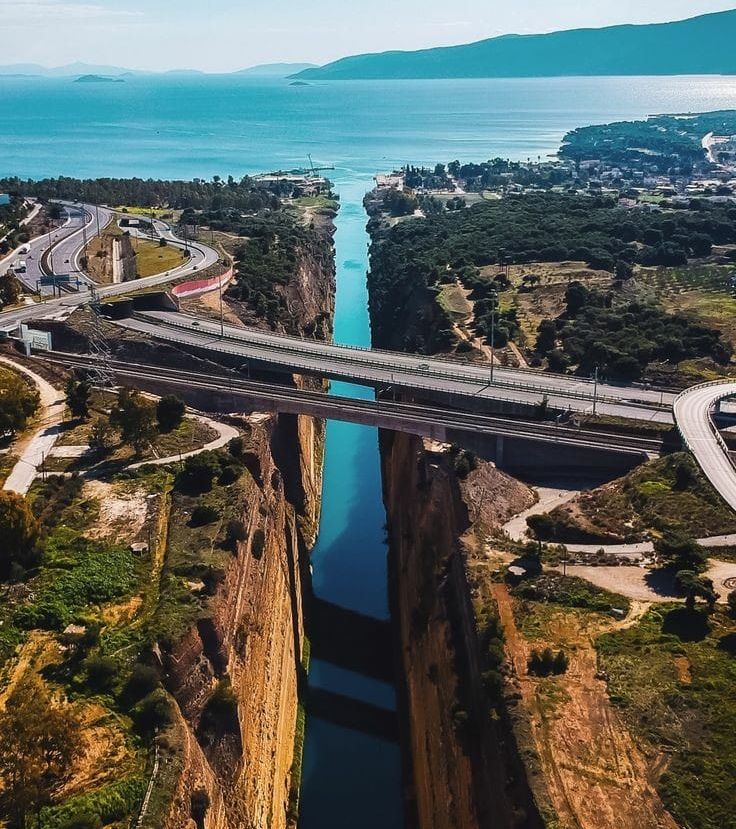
[
  {"x": 401, "y": 412},
  {"x": 716, "y": 434},
  {"x": 286, "y": 347}
]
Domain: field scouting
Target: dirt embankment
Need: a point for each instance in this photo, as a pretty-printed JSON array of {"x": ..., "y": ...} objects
[
  {"x": 465, "y": 772},
  {"x": 591, "y": 771},
  {"x": 252, "y": 638},
  {"x": 253, "y": 634}
]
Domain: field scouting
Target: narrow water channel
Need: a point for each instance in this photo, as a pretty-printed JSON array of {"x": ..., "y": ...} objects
[{"x": 351, "y": 778}]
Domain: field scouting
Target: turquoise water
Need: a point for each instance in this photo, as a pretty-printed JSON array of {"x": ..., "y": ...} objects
[{"x": 188, "y": 127}]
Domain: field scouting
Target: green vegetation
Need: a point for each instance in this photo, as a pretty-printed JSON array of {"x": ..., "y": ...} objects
[
  {"x": 412, "y": 260},
  {"x": 664, "y": 495},
  {"x": 19, "y": 532},
  {"x": 19, "y": 401},
  {"x": 268, "y": 261},
  {"x": 198, "y": 551},
  {"x": 622, "y": 338},
  {"x": 665, "y": 140},
  {"x": 76, "y": 573},
  {"x": 198, "y": 194},
  {"x": 152, "y": 258},
  {"x": 673, "y": 676},
  {"x": 39, "y": 743},
  {"x": 570, "y": 591},
  {"x": 547, "y": 663}
]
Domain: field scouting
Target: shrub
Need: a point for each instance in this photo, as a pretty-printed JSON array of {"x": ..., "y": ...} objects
[
  {"x": 229, "y": 474},
  {"x": 204, "y": 514},
  {"x": 199, "y": 472},
  {"x": 143, "y": 680},
  {"x": 547, "y": 663},
  {"x": 236, "y": 533},
  {"x": 236, "y": 447},
  {"x": 154, "y": 712},
  {"x": 101, "y": 673},
  {"x": 18, "y": 531},
  {"x": 169, "y": 413}
]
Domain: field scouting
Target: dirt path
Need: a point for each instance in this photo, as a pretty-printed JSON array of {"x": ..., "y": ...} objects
[
  {"x": 32, "y": 450},
  {"x": 596, "y": 776}
]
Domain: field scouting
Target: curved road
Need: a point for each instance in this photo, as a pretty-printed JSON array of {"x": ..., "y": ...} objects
[
  {"x": 67, "y": 247},
  {"x": 693, "y": 416}
]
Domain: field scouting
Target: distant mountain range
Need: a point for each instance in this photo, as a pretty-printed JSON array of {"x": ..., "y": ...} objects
[
  {"x": 701, "y": 45},
  {"x": 79, "y": 70},
  {"x": 276, "y": 70}
]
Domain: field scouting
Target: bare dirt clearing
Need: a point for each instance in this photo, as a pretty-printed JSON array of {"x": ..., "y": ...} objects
[{"x": 597, "y": 777}]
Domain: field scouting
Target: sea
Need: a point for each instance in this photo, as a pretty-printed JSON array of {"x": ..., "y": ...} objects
[{"x": 200, "y": 126}]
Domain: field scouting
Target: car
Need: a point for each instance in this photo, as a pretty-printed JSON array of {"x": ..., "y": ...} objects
[
  {"x": 195, "y": 324},
  {"x": 423, "y": 366}
]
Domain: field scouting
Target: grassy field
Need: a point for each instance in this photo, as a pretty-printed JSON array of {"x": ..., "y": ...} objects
[
  {"x": 151, "y": 258},
  {"x": 317, "y": 201},
  {"x": 453, "y": 300},
  {"x": 673, "y": 676}
]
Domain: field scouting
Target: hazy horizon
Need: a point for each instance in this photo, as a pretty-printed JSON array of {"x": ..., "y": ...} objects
[{"x": 225, "y": 36}]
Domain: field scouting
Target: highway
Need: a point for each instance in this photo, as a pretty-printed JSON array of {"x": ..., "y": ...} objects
[
  {"x": 67, "y": 250},
  {"x": 430, "y": 421},
  {"x": 407, "y": 371},
  {"x": 693, "y": 411}
]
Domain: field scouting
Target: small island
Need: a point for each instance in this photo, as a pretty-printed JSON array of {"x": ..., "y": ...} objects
[{"x": 97, "y": 79}]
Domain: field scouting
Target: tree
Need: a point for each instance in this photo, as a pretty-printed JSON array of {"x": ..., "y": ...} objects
[
  {"x": 576, "y": 298},
  {"x": 732, "y": 602},
  {"x": 77, "y": 397},
  {"x": 9, "y": 289},
  {"x": 624, "y": 270},
  {"x": 546, "y": 336},
  {"x": 18, "y": 401},
  {"x": 134, "y": 417},
  {"x": 199, "y": 472},
  {"x": 695, "y": 587},
  {"x": 680, "y": 552},
  {"x": 40, "y": 742},
  {"x": 18, "y": 531},
  {"x": 169, "y": 413},
  {"x": 101, "y": 436}
]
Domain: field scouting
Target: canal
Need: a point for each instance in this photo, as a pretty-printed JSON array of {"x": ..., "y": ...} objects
[{"x": 351, "y": 778}]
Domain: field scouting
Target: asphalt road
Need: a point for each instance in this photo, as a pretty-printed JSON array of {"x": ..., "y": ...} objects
[
  {"x": 66, "y": 252},
  {"x": 381, "y": 368},
  {"x": 692, "y": 411}
]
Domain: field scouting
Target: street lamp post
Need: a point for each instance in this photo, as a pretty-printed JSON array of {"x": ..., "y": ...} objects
[
  {"x": 595, "y": 391},
  {"x": 494, "y": 298}
]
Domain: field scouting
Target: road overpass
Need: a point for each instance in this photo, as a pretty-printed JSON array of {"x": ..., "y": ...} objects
[
  {"x": 231, "y": 394},
  {"x": 70, "y": 246},
  {"x": 382, "y": 369},
  {"x": 693, "y": 411}
]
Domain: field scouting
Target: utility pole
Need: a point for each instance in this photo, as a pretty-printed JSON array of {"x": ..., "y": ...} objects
[
  {"x": 97, "y": 213},
  {"x": 222, "y": 315},
  {"x": 494, "y": 299},
  {"x": 595, "y": 391}
]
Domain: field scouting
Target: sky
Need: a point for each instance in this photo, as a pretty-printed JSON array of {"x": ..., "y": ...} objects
[{"x": 226, "y": 35}]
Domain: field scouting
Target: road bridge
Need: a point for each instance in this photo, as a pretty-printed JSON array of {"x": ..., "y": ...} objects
[{"x": 382, "y": 369}]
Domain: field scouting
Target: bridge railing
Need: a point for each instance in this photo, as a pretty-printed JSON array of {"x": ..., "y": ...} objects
[
  {"x": 397, "y": 370},
  {"x": 714, "y": 429}
]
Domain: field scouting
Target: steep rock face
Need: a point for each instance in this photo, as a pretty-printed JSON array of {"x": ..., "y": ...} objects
[
  {"x": 253, "y": 639},
  {"x": 462, "y": 774},
  {"x": 251, "y": 642}
]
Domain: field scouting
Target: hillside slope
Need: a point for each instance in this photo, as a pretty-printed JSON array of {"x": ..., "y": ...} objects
[{"x": 699, "y": 45}]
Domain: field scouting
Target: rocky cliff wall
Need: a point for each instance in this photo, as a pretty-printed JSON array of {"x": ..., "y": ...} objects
[{"x": 465, "y": 773}]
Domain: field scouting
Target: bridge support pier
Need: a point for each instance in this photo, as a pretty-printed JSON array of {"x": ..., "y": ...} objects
[{"x": 499, "y": 450}]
